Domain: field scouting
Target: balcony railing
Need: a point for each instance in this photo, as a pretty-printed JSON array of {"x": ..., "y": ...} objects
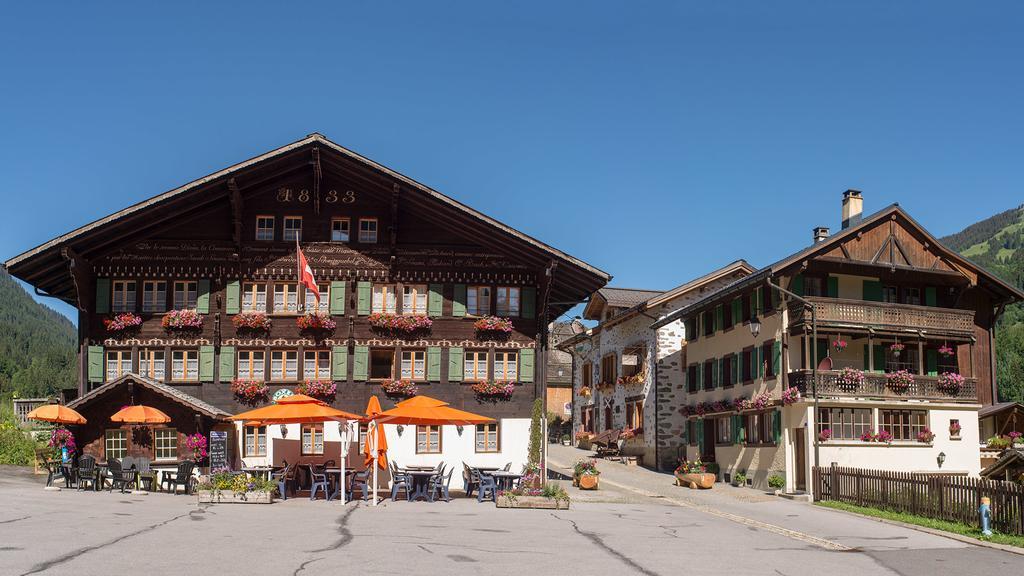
[
  {"x": 884, "y": 315},
  {"x": 874, "y": 386}
]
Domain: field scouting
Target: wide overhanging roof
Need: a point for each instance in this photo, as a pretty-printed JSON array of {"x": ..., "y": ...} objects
[{"x": 46, "y": 266}]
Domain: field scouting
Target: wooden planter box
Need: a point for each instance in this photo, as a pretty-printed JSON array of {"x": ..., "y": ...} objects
[
  {"x": 694, "y": 481},
  {"x": 229, "y": 497},
  {"x": 531, "y": 502}
]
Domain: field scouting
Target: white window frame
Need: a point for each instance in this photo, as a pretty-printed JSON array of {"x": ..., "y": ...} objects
[
  {"x": 254, "y": 297},
  {"x": 478, "y": 300},
  {"x": 265, "y": 233},
  {"x": 154, "y": 296},
  {"x": 383, "y": 298},
  {"x": 291, "y": 231},
  {"x": 341, "y": 230},
  {"x": 316, "y": 365},
  {"x": 115, "y": 444},
  {"x": 122, "y": 295},
  {"x": 414, "y": 299},
  {"x": 508, "y": 302},
  {"x": 251, "y": 365},
  {"x": 165, "y": 444},
  {"x": 185, "y": 365},
  {"x": 186, "y": 294},
  {"x": 506, "y": 366},
  {"x": 414, "y": 365},
  {"x": 367, "y": 233},
  {"x": 284, "y": 365}
]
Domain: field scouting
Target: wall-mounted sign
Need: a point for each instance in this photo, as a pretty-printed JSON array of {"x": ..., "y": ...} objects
[
  {"x": 567, "y": 408},
  {"x": 303, "y": 196},
  {"x": 629, "y": 359},
  {"x": 282, "y": 393},
  {"x": 218, "y": 449}
]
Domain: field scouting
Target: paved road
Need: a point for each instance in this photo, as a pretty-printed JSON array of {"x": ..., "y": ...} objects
[{"x": 87, "y": 533}]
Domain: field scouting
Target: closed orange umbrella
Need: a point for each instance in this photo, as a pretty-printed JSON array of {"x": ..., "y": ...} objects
[
  {"x": 57, "y": 414},
  {"x": 373, "y": 409},
  {"x": 140, "y": 414},
  {"x": 426, "y": 411},
  {"x": 296, "y": 409}
]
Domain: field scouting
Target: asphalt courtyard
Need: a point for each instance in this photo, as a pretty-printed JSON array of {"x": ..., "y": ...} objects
[{"x": 613, "y": 531}]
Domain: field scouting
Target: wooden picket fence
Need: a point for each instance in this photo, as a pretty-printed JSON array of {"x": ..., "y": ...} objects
[{"x": 954, "y": 498}]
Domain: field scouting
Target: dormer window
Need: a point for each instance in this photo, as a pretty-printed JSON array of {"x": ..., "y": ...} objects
[
  {"x": 368, "y": 230},
  {"x": 292, "y": 228},
  {"x": 265, "y": 228},
  {"x": 340, "y": 230}
]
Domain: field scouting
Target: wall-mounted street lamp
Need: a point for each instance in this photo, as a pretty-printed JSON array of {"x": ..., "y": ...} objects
[
  {"x": 755, "y": 326},
  {"x": 284, "y": 430},
  {"x": 941, "y": 459}
]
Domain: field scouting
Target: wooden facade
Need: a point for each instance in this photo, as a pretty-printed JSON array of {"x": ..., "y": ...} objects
[{"x": 364, "y": 229}]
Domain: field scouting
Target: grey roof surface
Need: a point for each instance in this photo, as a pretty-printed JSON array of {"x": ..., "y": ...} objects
[
  {"x": 997, "y": 408},
  {"x": 626, "y": 297},
  {"x": 159, "y": 387}
]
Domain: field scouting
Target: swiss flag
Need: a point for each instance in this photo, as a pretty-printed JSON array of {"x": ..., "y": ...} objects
[{"x": 306, "y": 273}]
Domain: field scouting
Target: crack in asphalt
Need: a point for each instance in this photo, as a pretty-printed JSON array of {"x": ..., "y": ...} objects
[
  {"x": 14, "y": 520},
  {"x": 343, "y": 530},
  {"x": 43, "y": 566},
  {"x": 599, "y": 542}
]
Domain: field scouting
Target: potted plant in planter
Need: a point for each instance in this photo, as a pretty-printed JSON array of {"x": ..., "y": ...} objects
[
  {"x": 950, "y": 383},
  {"x": 954, "y": 429},
  {"x": 896, "y": 348},
  {"x": 123, "y": 322},
  {"x": 250, "y": 392},
  {"x": 694, "y": 474},
  {"x": 739, "y": 479},
  {"x": 899, "y": 381},
  {"x": 1016, "y": 438},
  {"x": 850, "y": 379},
  {"x": 566, "y": 440},
  {"x": 777, "y": 482},
  {"x": 532, "y": 492},
  {"x": 493, "y": 327},
  {"x": 494, "y": 391},
  {"x": 251, "y": 322},
  {"x": 925, "y": 436},
  {"x": 825, "y": 435},
  {"x": 583, "y": 440},
  {"x": 400, "y": 388},
  {"x": 839, "y": 344},
  {"x": 182, "y": 321},
  {"x": 320, "y": 389},
  {"x": 225, "y": 487},
  {"x": 316, "y": 323},
  {"x": 585, "y": 474}
]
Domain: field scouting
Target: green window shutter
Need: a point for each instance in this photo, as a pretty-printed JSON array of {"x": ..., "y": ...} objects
[
  {"x": 364, "y": 294},
  {"x": 734, "y": 420},
  {"x": 96, "y": 362},
  {"x": 930, "y": 296},
  {"x": 435, "y": 301},
  {"x": 455, "y": 365},
  {"x": 206, "y": 358},
  {"x": 361, "y": 363},
  {"x": 720, "y": 372},
  {"x": 102, "y": 299},
  {"x": 833, "y": 287},
  {"x": 233, "y": 297},
  {"x": 872, "y": 290},
  {"x": 526, "y": 362},
  {"x": 776, "y": 358},
  {"x": 339, "y": 363},
  {"x": 777, "y": 426},
  {"x": 700, "y": 434},
  {"x": 879, "y": 352},
  {"x": 719, "y": 318},
  {"x": 758, "y": 300},
  {"x": 203, "y": 296},
  {"x": 700, "y": 376},
  {"x": 459, "y": 301},
  {"x": 686, "y": 432},
  {"x": 227, "y": 363},
  {"x": 741, "y": 432},
  {"x": 736, "y": 360},
  {"x": 796, "y": 285},
  {"x": 757, "y": 355},
  {"x": 822, "y": 349},
  {"x": 931, "y": 362},
  {"x": 337, "y": 296},
  {"x": 867, "y": 358},
  {"x": 528, "y": 303},
  {"x": 737, "y": 311},
  {"x": 434, "y": 363}
]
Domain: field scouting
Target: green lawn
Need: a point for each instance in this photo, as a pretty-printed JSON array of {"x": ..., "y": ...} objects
[{"x": 944, "y": 525}]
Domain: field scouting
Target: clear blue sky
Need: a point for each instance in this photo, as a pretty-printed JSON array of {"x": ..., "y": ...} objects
[{"x": 655, "y": 140}]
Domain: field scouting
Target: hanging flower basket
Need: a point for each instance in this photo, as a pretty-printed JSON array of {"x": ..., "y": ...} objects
[
  {"x": 638, "y": 378},
  {"x": 899, "y": 381},
  {"x": 498, "y": 389},
  {"x": 585, "y": 392},
  {"x": 319, "y": 389},
  {"x": 404, "y": 388},
  {"x": 61, "y": 441},
  {"x": 182, "y": 320},
  {"x": 850, "y": 379},
  {"x": 250, "y": 392},
  {"x": 123, "y": 321},
  {"x": 197, "y": 444},
  {"x": 397, "y": 323},
  {"x": 954, "y": 429},
  {"x": 825, "y": 435},
  {"x": 493, "y": 325},
  {"x": 251, "y": 321},
  {"x": 896, "y": 348},
  {"x": 950, "y": 382},
  {"x": 947, "y": 351},
  {"x": 839, "y": 344},
  {"x": 790, "y": 396},
  {"x": 316, "y": 321}
]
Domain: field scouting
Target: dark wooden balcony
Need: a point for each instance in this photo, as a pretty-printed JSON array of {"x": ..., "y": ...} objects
[
  {"x": 835, "y": 312},
  {"x": 923, "y": 388}
]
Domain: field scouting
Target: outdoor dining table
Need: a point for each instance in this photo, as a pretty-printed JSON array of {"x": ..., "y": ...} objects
[
  {"x": 420, "y": 482},
  {"x": 340, "y": 485},
  {"x": 504, "y": 479}
]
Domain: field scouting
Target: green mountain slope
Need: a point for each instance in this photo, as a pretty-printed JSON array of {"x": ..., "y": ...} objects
[
  {"x": 37, "y": 344},
  {"x": 997, "y": 243}
]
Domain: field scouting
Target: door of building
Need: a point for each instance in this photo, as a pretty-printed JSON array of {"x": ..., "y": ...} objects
[
  {"x": 607, "y": 416},
  {"x": 800, "y": 446},
  {"x": 707, "y": 451}
]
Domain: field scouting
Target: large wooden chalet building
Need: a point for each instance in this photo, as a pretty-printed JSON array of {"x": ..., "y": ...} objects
[{"x": 383, "y": 247}]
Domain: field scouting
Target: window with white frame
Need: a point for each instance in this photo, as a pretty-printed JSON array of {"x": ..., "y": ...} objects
[
  {"x": 165, "y": 444},
  {"x": 154, "y": 296},
  {"x": 478, "y": 300},
  {"x": 475, "y": 365},
  {"x": 414, "y": 365},
  {"x": 185, "y": 365},
  {"x": 255, "y": 441},
  {"x": 265, "y": 228},
  {"x": 903, "y": 424},
  {"x": 309, "y": 302},
  {"x": 723, "y": 430},
  {"x": 152, "y": 364},
  {"x": 119, "y": 362},
  {"x": 316, "y": 365},
  {"x": 115, "y": 444},
  {"x": 251, "y": 365},
  {"x": 844, "y": 423},
  {"x": 414, "y": 299},
  {"x": 254, "y": 297},
  {"x": 292, "y": 228},
  {"x": 428, "y": 439},
  {"x": 286, "y": 298},
  {"x": 186, "y": 293},
  {"x": 383, "y": 298},
  {"x": 368, "y": 230},
  {"x": 487, "y": 438},
  {"x": 312, "y": 439},
  {"x": 340, "y": 229},
  {"x": 284, "y": 365},
  {"x": 506, "y": 366},
  {"x": 508, "y": 301},
  {"x": 123, "y": 296}
]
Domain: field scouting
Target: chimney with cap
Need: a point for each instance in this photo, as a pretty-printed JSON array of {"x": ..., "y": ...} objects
[
  {"x": 820, "y": 234},
  {"x": 853, "y": 208}
]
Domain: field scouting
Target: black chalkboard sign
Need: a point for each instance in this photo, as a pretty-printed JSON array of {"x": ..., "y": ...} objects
[{"x": 218, "y": 449}]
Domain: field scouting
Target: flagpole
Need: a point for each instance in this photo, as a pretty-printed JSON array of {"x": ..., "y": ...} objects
[{"x": 298, "y": 272}]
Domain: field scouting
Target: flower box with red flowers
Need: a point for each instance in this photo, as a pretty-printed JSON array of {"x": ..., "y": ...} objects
[
  {"x": 493, "y": 325},
  {"x": 251, "y": 321},
  {"x": 899, "y": 381},
  {"x": 850, "y": 379},
  {"x": 250, "y": 392},
  {"x": 316, "y": 321},
  {"x": 393, "y": 387},
  {"x": 494, "y": 389},
  {"x": 950, "y": 382},
  {"x": 182, "y": 320},
  {"x": 925, "y": 436},
  {"x": 123, "y": 321},
  {"x": 790, "y": 396},
  {"x": 825, "y": 435},
  {"x": 321, "y": 389},
  {"x": 399, "y": 323}
]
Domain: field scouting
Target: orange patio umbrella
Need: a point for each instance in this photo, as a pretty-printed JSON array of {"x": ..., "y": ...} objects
[
  {"x": 427, "y": 411},
  {"x": 56, "y": 413},
  {"x": 296, "y": 409},
  {"x": 378, "y": 452},
  {"x": 140, "y": 414}
]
